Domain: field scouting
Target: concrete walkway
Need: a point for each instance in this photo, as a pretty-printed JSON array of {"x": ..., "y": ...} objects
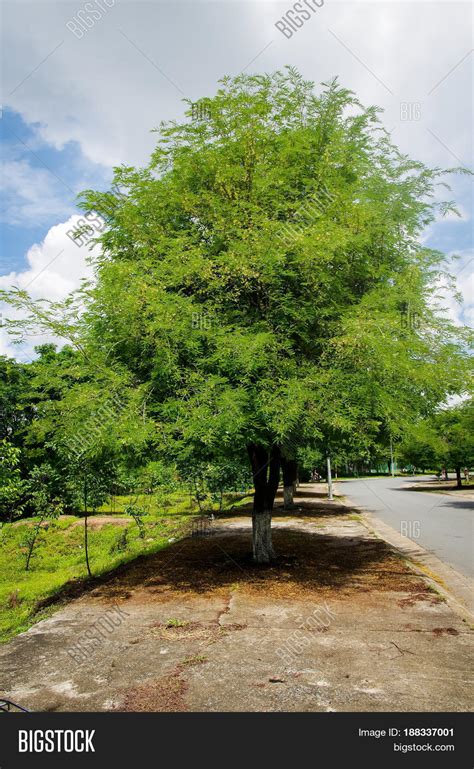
[{"x": 340, "y": 623}]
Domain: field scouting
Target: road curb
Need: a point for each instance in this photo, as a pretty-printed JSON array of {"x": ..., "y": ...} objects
[{"x": 456, "y": 589}]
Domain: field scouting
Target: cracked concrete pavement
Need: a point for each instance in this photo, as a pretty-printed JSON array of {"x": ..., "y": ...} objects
[{"x": 340, "y": 623}]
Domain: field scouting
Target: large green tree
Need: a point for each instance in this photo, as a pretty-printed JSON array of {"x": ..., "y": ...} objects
[{"x": 251, "y": 281}]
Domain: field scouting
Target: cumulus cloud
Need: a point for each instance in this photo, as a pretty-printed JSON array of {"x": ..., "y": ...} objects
[
  {"x": 133, "y": 67},
  {"x": 54, "y": 269},
  {"x": 30, "y": 195}
]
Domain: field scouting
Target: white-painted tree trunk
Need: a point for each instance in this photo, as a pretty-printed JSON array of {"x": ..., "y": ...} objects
[{"x": 262, "y": 537}]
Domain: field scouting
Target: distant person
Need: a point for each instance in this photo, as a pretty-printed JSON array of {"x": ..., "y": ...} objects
[{"x": 466, "y": 474}]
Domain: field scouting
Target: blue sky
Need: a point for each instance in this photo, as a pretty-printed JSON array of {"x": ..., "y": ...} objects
[
  {"x": 80, "y": 101},
  {"x": 65, "y": 172},
  {"x": 28, "y": 212}
]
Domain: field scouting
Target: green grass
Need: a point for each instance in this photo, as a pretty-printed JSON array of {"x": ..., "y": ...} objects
[
  {"x": 176, "y": 623},
  {"x": 173, "y": 503},
  {"x": 58, "y": 557}
]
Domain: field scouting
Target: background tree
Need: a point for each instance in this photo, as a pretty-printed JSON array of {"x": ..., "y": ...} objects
[
  {"x": 455, "y": 427},
  {"x": 422, "y": 447},
  {"x": 42, "y": 499},
  {"x": 14, "y": 407},
  {"x": 12, "y": 487},
  {"x": 90, "y": 479}
]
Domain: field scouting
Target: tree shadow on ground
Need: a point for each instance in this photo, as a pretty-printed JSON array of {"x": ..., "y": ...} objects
[
  {"x": 301, "y": 509},
  {"x": 459, "y": 504},
  {"x": 435, "y": 484},
  {"x": 307, "y": 495},
  {"x": 308, "y": 563}
]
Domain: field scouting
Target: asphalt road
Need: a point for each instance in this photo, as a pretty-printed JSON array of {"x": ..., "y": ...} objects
[{"x": 440, "y": 523}]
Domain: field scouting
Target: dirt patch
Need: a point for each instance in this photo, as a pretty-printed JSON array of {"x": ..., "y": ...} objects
[
  {"x": 98, "y": 521},
  {"x": 437, "y": 631},
  {"x": 165, "y": 694},
  {"x": 425, "y": 595},
  {"x": 188, "y": 631},
  {"x": 205, "y": 633},
  {"x": 162, "y": 695}
]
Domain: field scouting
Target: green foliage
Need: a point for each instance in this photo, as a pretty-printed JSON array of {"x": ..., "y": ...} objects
[
  {"x": 252, "y": 288},
  {"x": 121, "y": 545},
  {"x": 15, "y": 411},
  {"x": 444, "y": 439},
  {"x": 308, "y": 459},
  {"x": 59, "y": 558},
  {"x": 210, "y": 482},
  {"x": 175, "y": 623},
  {"x": 42, "y": 489},
  {"x": 137, "y": 514},
  {"x": 12, "y": 487},
  {"x": 157, "y": 475},
  {"x": 43, "y": 482},
  {"x": 263, "y": 257},
  {"x": 422, "y": 448},
  {"x": 455, "y": 426}
]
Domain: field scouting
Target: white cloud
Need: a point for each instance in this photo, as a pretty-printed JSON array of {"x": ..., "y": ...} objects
[
  {"x": 460, "y": 312},
  {"x": 31, "y": 195},
  {"x": 55, "y": 269},
  {"x": 108, "y": 89}
]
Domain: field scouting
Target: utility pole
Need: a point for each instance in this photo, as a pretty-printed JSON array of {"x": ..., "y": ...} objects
[
  {"x": 330, "y": 496},
  {"x": 392, "y": 466}
]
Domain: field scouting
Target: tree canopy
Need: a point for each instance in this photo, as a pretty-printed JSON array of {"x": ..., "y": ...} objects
[{"x": 254, "y": 277}]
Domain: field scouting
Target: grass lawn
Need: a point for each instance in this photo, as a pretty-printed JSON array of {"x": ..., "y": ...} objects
[{"x": 58, "y": 558}]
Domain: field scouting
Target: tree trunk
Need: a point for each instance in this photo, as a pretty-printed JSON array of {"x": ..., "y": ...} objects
[
  {"x": 86, "y": 538},
  {"x": 290, "y": 475},
  {"x": 458, "y": 478},
  {"x": 32, "y": 543},
  {"x": 86, "y": 546},
  {"x": 288, "y": 494},
  {"x": 263, "y": 551},
  {"x": 266, "y": 476}
]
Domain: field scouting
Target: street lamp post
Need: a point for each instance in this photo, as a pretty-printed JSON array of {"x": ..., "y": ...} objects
[{"x": 330, "y": 495}]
